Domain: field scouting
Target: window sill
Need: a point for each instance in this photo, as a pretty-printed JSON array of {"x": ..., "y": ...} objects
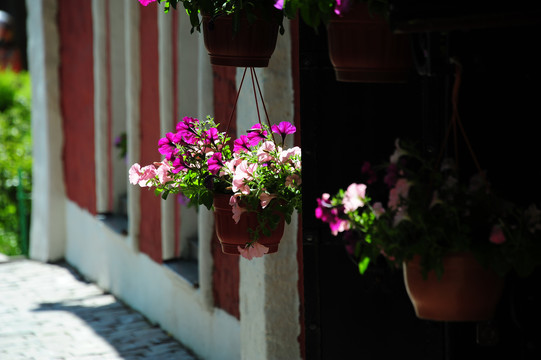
[
  {"x": 187, "y": 269},
  {"x": 118, "y": 223}
]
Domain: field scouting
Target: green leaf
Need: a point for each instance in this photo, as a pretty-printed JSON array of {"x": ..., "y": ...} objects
[{"x": 363, "y": 264}]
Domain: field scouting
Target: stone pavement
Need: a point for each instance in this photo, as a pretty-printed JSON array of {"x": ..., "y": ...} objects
[{"x": 48, "y": 312}]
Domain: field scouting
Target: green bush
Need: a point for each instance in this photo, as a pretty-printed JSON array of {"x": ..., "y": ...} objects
[{"x": 15, "y": 160}]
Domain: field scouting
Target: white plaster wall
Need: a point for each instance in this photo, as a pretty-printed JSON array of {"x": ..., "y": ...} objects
[
  {"x": 269, "y": 296},
  {"x": 47, "y": 235},
  {"x": 163, "y": 296}
]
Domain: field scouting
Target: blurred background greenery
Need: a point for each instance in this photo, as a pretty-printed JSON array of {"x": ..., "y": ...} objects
[{"x": 15, "y": 161}]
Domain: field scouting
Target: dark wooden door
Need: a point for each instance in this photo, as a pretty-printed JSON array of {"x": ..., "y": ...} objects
[{"x": 353, "y": 316}]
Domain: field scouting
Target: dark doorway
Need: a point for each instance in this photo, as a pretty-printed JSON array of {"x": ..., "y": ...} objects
[{"x": 350, "y": 316}]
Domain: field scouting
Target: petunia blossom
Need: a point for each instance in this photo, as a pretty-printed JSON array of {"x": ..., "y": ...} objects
[
  {"x": 283, "y": 129},
  {"x": 253, "y": 250},
  {"x": 166, "y": 145},
  {"x": 496, "y": 235},
  {"x": 341, "y": 7},
  {"x": 163, "y": 171},
  {"x": 279, "y": 4},
  {"x": 398, "y": 153},
  {"x": 146, "y": 2},
  {"x": 331, "y": 215},
  {"x": 244, "y": 172},
  {"x": 378, "y": 209},
  {"x": 236, "y": 209},
  {"x": 186, "y": 129},
  {"x": 140, "y": 175},
  {"x": 289, "y": 154},
  {"x": 354, "y": 197},
  {"x": 256, "y": 134},
  {"x": 266, "y": 198},
  {"x": 215, "y": 163},
  {"x": 242, "y": 144},
  {"x": 367, "y": 170},
  {"x": 264, "y": 152},
  {"x": 398, "y": 193},
  {"x": 293, "y": 180}
]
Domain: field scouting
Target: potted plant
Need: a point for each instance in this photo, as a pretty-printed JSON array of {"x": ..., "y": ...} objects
[
  {"x": 362, "y": 47},
  {"x": 416, "y": 212},
  {"x": 254, "y": 186},
  {"x": 236, "y": 32}
]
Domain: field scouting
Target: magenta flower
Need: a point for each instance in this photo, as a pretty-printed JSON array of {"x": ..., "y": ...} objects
[
  {"x": 279, "y": 4},
  {"x": 341, "y": 7},
  {"x": 186, "y": 129},
  {"x": 256, "y": 134},
  {"x": 392, "y": 175},
  {"x": 211, "y": 136},
  {"x": 242, "y": 144},
  {"x": 178, "y": 165},
  {"x": 146, "y": 2},
  {"x": 331, "y": 215},
  {"x": 215, "y": 163},
  {"x": 167, "y": 145},
  {"x": 284, "y": 128},
  {"x": 367, "y": 170}
]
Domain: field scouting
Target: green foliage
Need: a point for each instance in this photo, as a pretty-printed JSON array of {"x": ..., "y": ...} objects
[
  {"x": 252, "y": 9},
  {"x": 15, "y": 156},
  {"x": 317, "y": 12},
  {"x": 432, "y": 212}
]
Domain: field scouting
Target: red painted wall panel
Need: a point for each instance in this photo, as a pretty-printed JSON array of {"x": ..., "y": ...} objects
[
  {"x": 150, "y": 226},
  {"x": 77, "y": 101},
  {"x": 226, "y": 275}
]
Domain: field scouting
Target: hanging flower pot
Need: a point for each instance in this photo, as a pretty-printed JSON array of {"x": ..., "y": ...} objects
[
  {"x": 234, "y": 235},
  {"x": 250, "y": 46},
  {"x": 362, "y": 48},
  {"x": 466, "y": 291}
]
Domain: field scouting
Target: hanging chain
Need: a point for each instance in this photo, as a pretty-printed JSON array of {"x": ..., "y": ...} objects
[{"x": 255, "y": 82}]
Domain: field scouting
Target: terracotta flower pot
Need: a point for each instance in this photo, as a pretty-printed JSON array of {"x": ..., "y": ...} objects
[
  {"x": 466, "y": 291},
  {"x": 232, "y": 235},
  {"x": 362, "y": 48},
  {"x": 251, "y": 46}
]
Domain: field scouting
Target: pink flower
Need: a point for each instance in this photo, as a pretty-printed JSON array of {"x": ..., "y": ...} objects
[
  {"x": 235, "y": 208},
  {"x": 140, "y": 176},
  {"x": 497, "y": 236},
  {"x": 266, "y": 199},
  {"x": 146, "y": 2},
  {"x": 253, "y": 250},
  {"x": 264, "y": 152},
  {"x": 397, "y": 153},
  {"x": 286, "y": 155},
  {"x": 399, "y": 192},
  {"x": 401, "y": 214},
  {"x": 292, "y": 180},
  {"x": 163, "y": 172},
  {"x": 243, "y": 173},
  {"x": 378, "y": 209},
  {"x": 354, "y": 197}
]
